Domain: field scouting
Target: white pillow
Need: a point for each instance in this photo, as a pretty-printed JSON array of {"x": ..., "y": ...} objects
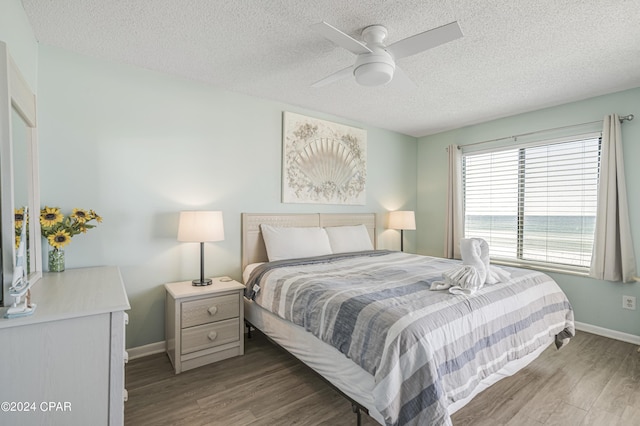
[
  {"x": 345, "y": 239},
  {"x": 292, "y": 243}
]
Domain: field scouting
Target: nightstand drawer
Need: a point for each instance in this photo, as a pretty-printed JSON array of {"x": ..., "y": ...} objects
[
  {"x": 211, "y": 309},
  {"x": 210, "y": 335}
]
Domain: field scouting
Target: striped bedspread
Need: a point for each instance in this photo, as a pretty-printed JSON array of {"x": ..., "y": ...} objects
[{"x": 425, "y": 349}]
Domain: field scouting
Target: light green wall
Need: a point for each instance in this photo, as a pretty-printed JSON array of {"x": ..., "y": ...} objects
[
  {"x": 16, "y": 32},
  {"x": 138, "y": 147},
  {"x": 595, "y": 302}
]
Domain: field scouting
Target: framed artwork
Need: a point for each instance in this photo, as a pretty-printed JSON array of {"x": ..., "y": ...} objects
[{"x": 322, "y": 162}]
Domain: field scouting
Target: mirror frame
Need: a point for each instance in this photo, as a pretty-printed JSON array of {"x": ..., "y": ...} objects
[{"x": 15, "y": 93}]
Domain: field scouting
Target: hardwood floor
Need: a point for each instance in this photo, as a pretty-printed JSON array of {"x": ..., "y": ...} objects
[{"x": 591, "y": 381}]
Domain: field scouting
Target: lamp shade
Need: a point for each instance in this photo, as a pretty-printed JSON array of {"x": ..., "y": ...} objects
[
  {"x": 200, "y": 226},
  {"x": 402, "y": 220}
]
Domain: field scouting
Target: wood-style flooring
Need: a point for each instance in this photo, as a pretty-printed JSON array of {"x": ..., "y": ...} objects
[{"x": 591, "y": 381}]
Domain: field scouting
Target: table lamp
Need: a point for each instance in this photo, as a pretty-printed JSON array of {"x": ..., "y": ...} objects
[
  {"x": 402, "y": 220},
  {"x": 200, "y": 227}
]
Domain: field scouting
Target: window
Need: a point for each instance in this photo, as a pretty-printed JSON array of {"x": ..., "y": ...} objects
[{"x": 535, "y": 204}]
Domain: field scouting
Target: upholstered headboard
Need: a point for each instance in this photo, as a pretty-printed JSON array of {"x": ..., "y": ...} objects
[{"x": 253, "y": 248}]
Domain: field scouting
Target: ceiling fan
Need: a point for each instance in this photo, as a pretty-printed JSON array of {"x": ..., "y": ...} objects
[{"x": 376, "y": 63}]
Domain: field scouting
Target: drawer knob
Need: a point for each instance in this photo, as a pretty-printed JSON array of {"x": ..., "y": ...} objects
[
  {"x": 213, "y": 310},
  {"x": 212, "y": 335}
]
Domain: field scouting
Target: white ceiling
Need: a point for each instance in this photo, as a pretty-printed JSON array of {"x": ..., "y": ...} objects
[{"x": 515, "y": 56}]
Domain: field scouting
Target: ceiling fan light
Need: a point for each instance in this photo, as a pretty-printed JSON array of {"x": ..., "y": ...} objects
[{"x": 374, "y": 74}]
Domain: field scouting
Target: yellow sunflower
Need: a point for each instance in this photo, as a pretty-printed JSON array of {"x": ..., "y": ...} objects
[
  {"x": 59, "y": 239},
  {"x": 95, "y": 216},
  {"x": 50, "y": 216},
  {"x": 17, "y": 241},
  {"x": 80, "y": 215}
]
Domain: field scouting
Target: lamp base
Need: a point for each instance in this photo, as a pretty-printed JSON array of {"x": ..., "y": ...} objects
[{"x": 203, "y": 282}]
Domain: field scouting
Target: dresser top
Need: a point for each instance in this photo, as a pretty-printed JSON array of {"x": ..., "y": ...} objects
[{"x": 74, "y": 293}]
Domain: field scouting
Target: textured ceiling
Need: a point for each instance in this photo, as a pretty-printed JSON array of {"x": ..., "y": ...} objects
[{"x": 515, "y": 56}]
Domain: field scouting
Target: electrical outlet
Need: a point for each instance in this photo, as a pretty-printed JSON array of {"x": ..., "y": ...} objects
[{"x": 629, "y": 302}]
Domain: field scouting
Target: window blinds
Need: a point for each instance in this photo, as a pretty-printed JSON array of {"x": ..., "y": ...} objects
[{"x": 534, "y": 203}]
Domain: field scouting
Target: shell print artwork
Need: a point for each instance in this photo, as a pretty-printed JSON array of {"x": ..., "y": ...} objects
[
  {"x": 327, "y": 161},
  {"x": 323, "y": 162}
]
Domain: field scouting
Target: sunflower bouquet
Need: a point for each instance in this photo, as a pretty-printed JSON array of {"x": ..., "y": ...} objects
[{"x": 58, "y": 229}]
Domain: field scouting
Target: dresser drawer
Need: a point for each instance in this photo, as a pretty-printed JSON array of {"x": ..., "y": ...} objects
[
  {"x": 210, "y": 335},
  {"x": 211, "y": 309}
]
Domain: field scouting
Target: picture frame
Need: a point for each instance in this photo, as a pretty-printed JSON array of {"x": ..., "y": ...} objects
[{"x": 322, "y": 162}]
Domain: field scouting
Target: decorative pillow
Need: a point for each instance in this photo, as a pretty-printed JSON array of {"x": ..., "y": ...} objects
[
  {"x": 345, "y": 239},
  {"x": 292, "y": 243}
]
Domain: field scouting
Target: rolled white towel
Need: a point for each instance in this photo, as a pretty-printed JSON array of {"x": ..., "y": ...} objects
[
  {"x": 460, "y": 290},
  {"x": 439, "y": 285},
  {"x": 463, "y": 279},
  {"x": 475, "y": 252},
  {"x": 465, "y": 276},
  {"x": 475, "y": 271},
  {"x": 497, "y": 275}
]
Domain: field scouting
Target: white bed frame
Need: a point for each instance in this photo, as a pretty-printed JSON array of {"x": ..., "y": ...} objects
[{"x": 351, "y": 380}]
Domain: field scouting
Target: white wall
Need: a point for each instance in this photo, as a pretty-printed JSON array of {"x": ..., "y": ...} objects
[
  {"x": 595, "y": 302},
  {"x": 16, "y": 32},
  {"x": 138, "y": 147}
]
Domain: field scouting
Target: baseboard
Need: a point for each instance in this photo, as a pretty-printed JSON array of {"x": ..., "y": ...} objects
[
  {"x": 146, "y": 350},
  {"x": 612, "y": 334}
]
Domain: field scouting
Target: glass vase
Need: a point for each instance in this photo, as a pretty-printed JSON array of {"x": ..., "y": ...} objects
[{"x": 56, "y": 260}]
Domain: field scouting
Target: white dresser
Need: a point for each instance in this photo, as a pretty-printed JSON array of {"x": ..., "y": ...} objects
[{"x": 64, "y": 365}]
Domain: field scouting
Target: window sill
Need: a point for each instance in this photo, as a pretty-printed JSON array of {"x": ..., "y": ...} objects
[{"x": 568, "y": 270}]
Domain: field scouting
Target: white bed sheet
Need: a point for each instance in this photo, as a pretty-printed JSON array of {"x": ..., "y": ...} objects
[
  {"x": 248, "y": 270},
  {"x": 343, "y": 373}
]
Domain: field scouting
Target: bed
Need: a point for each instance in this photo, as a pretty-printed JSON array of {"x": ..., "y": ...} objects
[{"x": 405, "y": 354}]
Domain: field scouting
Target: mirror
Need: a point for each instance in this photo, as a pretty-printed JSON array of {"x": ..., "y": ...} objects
[
  {"x": 19, "y": 185},
  {"x": 20, "y": 180}
]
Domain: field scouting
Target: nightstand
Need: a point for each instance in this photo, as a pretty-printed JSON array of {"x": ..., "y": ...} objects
[{"x": 204, "y": 324}]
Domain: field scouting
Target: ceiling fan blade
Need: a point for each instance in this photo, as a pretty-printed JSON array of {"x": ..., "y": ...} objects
[
  {"x": 341, "y": 39},
  {"x": 402, "y": 81},
  {"x": 338, "y": 75},
  {"x": 424, "y": 41}
]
